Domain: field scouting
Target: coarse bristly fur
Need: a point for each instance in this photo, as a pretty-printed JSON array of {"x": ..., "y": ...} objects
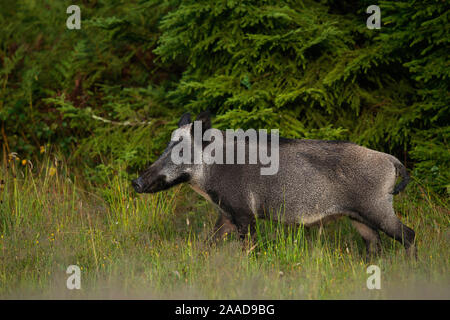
[{"x": 317, "y": 181}]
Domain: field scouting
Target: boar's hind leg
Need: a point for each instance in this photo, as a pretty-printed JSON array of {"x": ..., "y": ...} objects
[
  {"x": 402, "y": 233},
  {"x": 387, "y": 221},
  {"x": 370, "y": 236}
]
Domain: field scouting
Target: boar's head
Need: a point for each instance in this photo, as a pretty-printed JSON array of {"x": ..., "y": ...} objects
[{"x": 164, "y": 173}]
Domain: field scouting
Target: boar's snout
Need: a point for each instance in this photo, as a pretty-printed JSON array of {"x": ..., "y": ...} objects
[{"x": 138, "y": 185}]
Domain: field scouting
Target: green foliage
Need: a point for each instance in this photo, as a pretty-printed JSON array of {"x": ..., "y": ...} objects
[
  {"x": 425, "y": 53},
  {"x": 109, "y": 93},
  {"x": 94, "y": 92}
]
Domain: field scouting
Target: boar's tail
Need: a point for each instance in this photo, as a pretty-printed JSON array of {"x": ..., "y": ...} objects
[{"x": 400, "y": 172}]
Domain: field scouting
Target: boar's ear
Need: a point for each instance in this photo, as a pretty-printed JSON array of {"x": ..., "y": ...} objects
[
  {"x": 185, "y": 119},
  {"x": 205, "y": 118}
]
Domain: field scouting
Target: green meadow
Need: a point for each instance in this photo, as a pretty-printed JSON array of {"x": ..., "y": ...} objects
[{"x": 155, "y": 246}]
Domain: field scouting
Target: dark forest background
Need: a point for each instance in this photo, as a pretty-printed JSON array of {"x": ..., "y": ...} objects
[{"x": 107, "y": 96}]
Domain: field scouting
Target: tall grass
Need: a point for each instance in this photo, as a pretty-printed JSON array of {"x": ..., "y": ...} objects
[{"x": 154, "y": 246}]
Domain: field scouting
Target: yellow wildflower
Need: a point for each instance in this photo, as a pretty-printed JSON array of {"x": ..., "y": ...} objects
[{"x": 52, "y": 171}]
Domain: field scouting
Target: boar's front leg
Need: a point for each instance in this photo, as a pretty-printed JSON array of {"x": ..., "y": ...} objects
[
  {"x": 246, "y": 227},
  {"x": 223, "y": 226},
  {"x": 243, "y": 225}
]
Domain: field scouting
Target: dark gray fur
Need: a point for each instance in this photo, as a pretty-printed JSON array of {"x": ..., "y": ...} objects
[{"x": 317, "y": 181}]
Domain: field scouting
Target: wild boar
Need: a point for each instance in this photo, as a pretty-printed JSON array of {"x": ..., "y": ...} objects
[{"x": 315, "y": 181}]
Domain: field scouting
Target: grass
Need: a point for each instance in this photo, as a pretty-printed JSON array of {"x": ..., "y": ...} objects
[{"x": 153, "y": 246}]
